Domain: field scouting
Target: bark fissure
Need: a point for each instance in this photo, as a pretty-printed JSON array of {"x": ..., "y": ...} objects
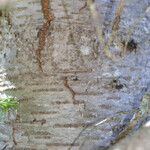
[
  {"x": 66, "y": 84},
  {"x": 48, "y": 17},
  {"x": 118, "y": 13},
  {"x": 13, "y": 135},
  {"x": 83, "y": 7}
]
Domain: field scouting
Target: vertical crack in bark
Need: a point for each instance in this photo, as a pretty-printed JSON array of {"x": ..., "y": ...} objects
[
  {"x": 66, "y": 84},
  {"x": 13, "y": 134},
  {"x": 48, "y": 17},
  {"x": 118, "y": 13}
]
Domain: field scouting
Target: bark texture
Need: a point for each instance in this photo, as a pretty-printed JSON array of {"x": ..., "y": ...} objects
[{"x": 52, "y": 62}]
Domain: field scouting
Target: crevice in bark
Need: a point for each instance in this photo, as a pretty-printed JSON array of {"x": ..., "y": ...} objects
[
  {"x": 48, "y": 17},
  {"x": 42, "y": 121},
  {"x": 83, "y": 7},
  {"x": 118, "y": 13},
  {"x": 13, "y": 135},
  {"x": 66, "y": 84}
]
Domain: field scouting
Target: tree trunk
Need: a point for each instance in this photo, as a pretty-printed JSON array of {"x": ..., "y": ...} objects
[{"x": 50, "y": 55}]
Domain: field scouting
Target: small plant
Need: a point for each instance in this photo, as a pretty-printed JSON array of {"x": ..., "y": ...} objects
[{"x": 8, "y": 103}]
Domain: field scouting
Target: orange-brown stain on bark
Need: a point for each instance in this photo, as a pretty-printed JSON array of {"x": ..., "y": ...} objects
[{"x": 48, "y": 17}]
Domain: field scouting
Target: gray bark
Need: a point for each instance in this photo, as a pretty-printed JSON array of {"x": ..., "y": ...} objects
[{"x": 63, "y": 79}]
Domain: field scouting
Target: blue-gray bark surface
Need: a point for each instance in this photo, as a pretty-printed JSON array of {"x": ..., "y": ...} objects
[{"x": 62, "y": 77}]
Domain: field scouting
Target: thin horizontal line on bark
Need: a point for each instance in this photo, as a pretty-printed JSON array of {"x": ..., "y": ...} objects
[
  {"x": 44, "y": 113},
  {"x": 34, "y": 2},
  {"x": 76, "y": 125},
  {"x": 21, "y": 8},
  {"x": 42, "y": 137},
  {"x": 49, "y": 90},
  {"x": 89, "y": 93},
  {"x": 24, "y": 16},
  {"x": 76, "y": 71},
  {"x": 113, "y": 98},
  {"x": 60, "y": 102},
  {"x": 24, "y": 148},
  {"x": 62, "y": 144}
]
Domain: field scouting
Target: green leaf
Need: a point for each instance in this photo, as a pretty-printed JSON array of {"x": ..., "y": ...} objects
[{"x": 8, "y": 103}]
